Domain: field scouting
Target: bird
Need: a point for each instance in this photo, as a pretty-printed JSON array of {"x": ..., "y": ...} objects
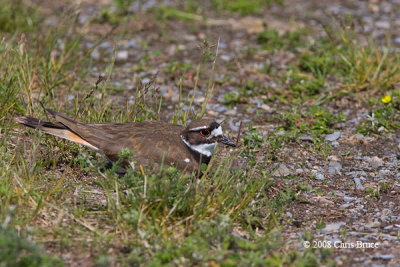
[{"x": 152, "y": 142}]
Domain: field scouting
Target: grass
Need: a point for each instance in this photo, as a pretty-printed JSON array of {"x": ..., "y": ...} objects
[{"x": 58, "y": 199}]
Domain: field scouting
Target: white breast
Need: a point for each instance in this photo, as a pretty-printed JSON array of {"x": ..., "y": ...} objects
[{"x": 204, "y": 149}]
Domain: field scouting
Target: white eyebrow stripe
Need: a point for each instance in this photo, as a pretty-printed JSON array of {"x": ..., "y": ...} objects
[
  {"x": 216, "y": 132},
  {"x": 198, "y": 128}
]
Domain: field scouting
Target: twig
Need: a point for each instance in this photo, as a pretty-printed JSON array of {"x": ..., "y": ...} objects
[{"x": 238, "y": 135}]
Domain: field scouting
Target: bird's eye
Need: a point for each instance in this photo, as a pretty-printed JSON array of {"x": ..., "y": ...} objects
[{"x": 205, "y": 132}]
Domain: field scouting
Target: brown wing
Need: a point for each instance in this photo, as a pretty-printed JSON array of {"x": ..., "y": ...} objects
[{"x": 152, "y": 141}]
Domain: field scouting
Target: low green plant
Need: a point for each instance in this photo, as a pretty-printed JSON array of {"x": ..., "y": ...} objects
[
  {"x": 242, "y": 6},
  {"x": 17, "y": 250},
  {"x": 270, "y": 39},
  {"x": 384, "y": 116},
  {"x": 316, "y": 121}
]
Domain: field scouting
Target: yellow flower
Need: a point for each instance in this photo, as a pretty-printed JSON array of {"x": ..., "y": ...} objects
[{"x": 386, "y": 99}]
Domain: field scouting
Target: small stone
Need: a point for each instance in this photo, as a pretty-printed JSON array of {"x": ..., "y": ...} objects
[
  {"x": 383, "y": 24},
  {"x": 383, "y": 256},
  {"x": 374, "y": 224},
  {"x": 334, "y": 168},
  {"x": 95, "y": 54},
  {"x": 381, "y": 129},
  {"x": 280, "y": 133},
  {"x": 212, "y": 113},
  {"x": 353, "y": 121},
  {"x": 221, "y": 109},
  {"x": 358, "y": 183},
  {"x": 335, "y": 144},
  {"x": 349, "y": 199},
  {"x": 131, "y": 43},
  {"x": 389, "y": 227},
  {"x": 375, "y": 162},
  {"x": 299, "y": 171},
  {"x": 344, "y": 206},
  {"x": 266, "y": 108},
  {"x": 226, "y": 58},
  {"x": 200, "y": 99},
  {"x": 332, "y": 227},
  {"x": 233, "y": 126},
  {"x": 333, "y": 158},
  {"x": 305, "y": 138},
  {"x": 122, "y": 55},
  {"x": 318, "y": 175},
  {"x": 145, "y": 80},
  {"x": 359, "y": 136},
  {"x": 190, "y": 38},
  {"x": 332, "y": 137},
  {"x": 257, "y": 102},
  {"x": 282, "y": 170},
  {"x": 231, "y": 112}
]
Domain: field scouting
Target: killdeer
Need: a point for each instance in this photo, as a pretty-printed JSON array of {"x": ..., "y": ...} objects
[{"x": 153, "y": 142}]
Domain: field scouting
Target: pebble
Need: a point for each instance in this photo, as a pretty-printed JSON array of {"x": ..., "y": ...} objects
[
  {"x": 334, "y": 168},
  {"x": 335, "y": 144},
  {"x": 199, "y": 100},
  {"x": 233, "y": 126},
  {"x": 122, "y": 55},
  {"x": 282, "y": 170},
  {"x": 299, "y": 171},
  {"x": 332, "y": 137},
  {"x": 374, "y": 224},
  {"x": 358, "y": 183},
  {"x": 332, "y": 227},
  {"x": 318, "y": 175},
  {"x": 221, "y": 98},
  {"x": 344, "y": 206},
  {"x": 221, "y": 109},
  {"x": 353, "y": 121},
  {"x": 382, "y": 24},
  {"x": 349, "y": 199},
  {"x": 383, "y": 256},
  {"x": 266, "y": 108},
  {"x": 333, "y": 158},
  {"x": 131, "y": 44},
  {"x": 95, "y": 54},
  {"x": 389, "y": 227},
  {"x": 189, "y": 37},
  {"x": 375, "y": 162},
  {"x": 226, "y": 57},
  {"x": 305, "y": 138},
  {"x": 359, "y": 136},
  {"x": 145, "y": 80},
  {"x": 231, "y": 112}
]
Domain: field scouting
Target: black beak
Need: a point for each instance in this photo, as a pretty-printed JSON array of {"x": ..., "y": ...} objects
[{"x": 226, "y": 141}]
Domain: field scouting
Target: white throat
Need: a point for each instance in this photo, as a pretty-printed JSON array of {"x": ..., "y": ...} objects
[{"x": 204, "y": 149}]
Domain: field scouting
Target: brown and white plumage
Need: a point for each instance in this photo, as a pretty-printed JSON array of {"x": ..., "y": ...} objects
[{"x": 152, "y": 141}]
